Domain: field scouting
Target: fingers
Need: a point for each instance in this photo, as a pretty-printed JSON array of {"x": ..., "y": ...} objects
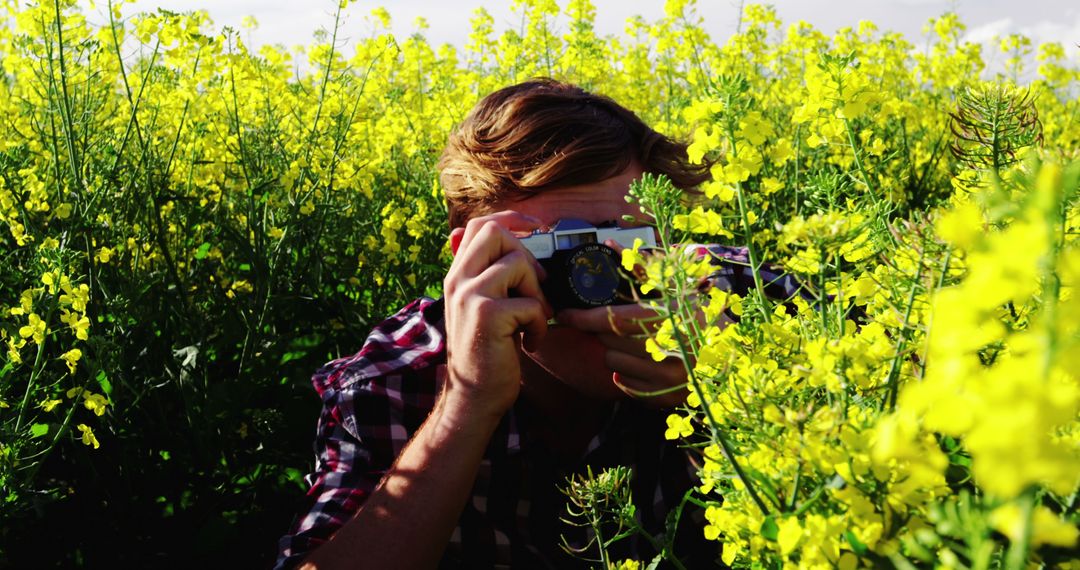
[
  {"x": 492, "y": 301},
  {"x": 649, "y": 394},
  {"x": 513, "y": 275},
  {"x": 629, "y": 345},
  {"x": 660, "y": 384},
  {"x": 508, "y": 220},
  {"x": 622, "y": 320},
  {"x": 531, "y": 318},
  {"x": 486, "y": 239},
  {"x": 669, "y": 372}
]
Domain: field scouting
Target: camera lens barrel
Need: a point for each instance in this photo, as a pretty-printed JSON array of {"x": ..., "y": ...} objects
[{"x": 586, "y": 276}]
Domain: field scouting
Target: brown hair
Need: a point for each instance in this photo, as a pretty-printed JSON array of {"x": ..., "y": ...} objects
[{"x": 542, "y": 134}]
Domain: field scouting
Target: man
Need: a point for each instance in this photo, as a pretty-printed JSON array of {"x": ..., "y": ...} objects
[{"x": 445, "y": 439}]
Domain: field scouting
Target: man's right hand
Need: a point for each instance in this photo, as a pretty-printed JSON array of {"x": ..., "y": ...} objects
[{"x": 492, "y": 293}]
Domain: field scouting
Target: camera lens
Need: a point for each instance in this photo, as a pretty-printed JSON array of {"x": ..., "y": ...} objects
[{"x": 592, "y": 273}]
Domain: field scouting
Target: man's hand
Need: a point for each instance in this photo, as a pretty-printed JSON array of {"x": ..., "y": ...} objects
[
  {"x": 492, "y": 294},
  {"x": 623, "y": 329}
]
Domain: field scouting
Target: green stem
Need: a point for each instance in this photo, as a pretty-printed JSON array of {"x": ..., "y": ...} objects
[
  {"x": 595, "y": 522},
  {"x": 39, "y": 360},
  {"x": 858, "y": 162},
  {"x": 748, "y": 236},
  {"x": 795, "y": 486},
  {"x": 64, "y": 427},
  {"x": 717, "y": 431},
  {"x": 65, "y": 103},
  {"x": 893, "y": 378},
  {"x": 755, "y": 259}
]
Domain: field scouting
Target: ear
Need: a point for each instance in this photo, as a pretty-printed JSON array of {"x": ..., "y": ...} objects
[{"x": 455, "y": 240}]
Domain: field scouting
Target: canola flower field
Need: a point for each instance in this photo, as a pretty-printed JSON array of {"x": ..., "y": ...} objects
[{"x": 188, "y": 228}]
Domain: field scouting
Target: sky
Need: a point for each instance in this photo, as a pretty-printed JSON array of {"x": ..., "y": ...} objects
[{"x": 291, "y": 22}]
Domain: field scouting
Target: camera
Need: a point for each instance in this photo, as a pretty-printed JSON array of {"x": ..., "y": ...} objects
[{"x": 582, "y": 271}]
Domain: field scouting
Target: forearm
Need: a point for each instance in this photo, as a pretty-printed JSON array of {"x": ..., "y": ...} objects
[{"x": 408, "y": 519}]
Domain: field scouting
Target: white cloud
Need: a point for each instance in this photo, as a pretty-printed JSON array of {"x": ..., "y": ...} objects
[
  {"x": 988, "y": 31},
  {"x": 1065, "y": 32}
]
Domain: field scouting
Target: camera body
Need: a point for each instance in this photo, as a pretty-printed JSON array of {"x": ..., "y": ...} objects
[{"x": 582, "y": 271}]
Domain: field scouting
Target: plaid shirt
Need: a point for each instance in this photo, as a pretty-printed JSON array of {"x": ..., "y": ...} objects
[{"x": 375, "y": 400}]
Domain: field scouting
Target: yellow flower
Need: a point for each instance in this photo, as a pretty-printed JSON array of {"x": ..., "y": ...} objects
[
  {"x": 701, "y": 221},
  {"x": 35, "y": 329},
  {"x": 79, "y": 324},
  {"x": 72, "y": 357},
  {"x": 781, "y": 151},
  {"x": 49, "y": 405},
  {"x": 104, "y": 255},
  {"x": 789, "y": 534},
  {"x": 94, "y": 402},
  {"x": 631, "y": 258},
  {"x": 715, "y": 189},
  {"x": 241, "y": 286},
  {"x": 755, "y": 128},
  {"x": 961, "y": 226},
  {"x": 88, "y": 436},
  {"x": 1046, "y": 527},
  {"x": 770, "y": 185},
  {"x": 50, "y": 279},
  {"x": 678, "y": 426}
]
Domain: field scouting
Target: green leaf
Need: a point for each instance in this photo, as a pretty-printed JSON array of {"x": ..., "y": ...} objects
[
  {"x": 769, "y": 528},
  {"x": 856, "y": 544},
  {"x": 203, "y": 251},
  {"x": 38, "y": 430},
  {"x": 293, "y": 355},
  {"x": 103, "y": 381}
]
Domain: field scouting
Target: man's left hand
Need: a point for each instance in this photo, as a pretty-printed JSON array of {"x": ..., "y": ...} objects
[{"x": 623, "y": 329}]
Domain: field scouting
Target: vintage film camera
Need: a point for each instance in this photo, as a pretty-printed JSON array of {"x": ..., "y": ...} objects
[{"x": 582, "y": 271}]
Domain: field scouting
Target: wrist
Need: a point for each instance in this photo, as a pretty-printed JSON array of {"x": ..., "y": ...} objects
[
  {"x": 460, "y": 410},
  {"x": 464, "y": 408}
]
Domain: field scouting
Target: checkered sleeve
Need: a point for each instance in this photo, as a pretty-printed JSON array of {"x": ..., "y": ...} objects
[
  {"x": 342, "y": 480},
  {"x": 373, "y": 402},
  {"x": 734, "y": 273}
]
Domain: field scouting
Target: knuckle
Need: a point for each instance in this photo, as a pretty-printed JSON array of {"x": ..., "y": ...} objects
[
  {"x": 516, "y": 257},
  {"x": 453, "y": 283},
  {"x": 485, "y": 307},
  {"x": 475, "y": 223},
  {"x": 488, "y": 227}
]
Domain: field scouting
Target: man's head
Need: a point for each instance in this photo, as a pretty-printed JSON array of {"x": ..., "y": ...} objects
[{"x": 543, "y": 134}]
